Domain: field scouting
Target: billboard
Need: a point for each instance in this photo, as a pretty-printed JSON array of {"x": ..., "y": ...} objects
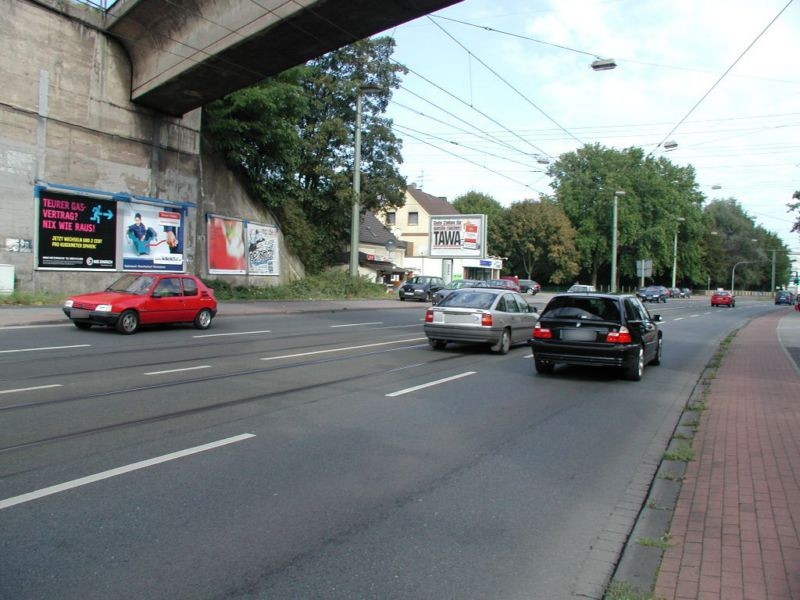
[
  {"x": 76, "y": 232},
  {"x": 458, "y": 236},
  {"x": 152, "y": 237},
  {"x": 263, "y": 250},
  {"x": 226, "y": 249}
]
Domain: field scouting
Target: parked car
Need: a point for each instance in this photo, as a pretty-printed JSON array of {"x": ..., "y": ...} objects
[
  {"x": 653, "y": 293},
  {"x": 456, "y": 285},
  {"x": 581, "y": 288},
  {"x": 784, "y": 297},
  {"x": 421, "y": 287},
  {"x": 597, "y": 330},
  {"x": 723, "y": 298},
  {"x": 674, "y": 293},
  {"x": 529, "y": 286},
  {"x": 145, "y": 299},
  {"x": 496, "y": 317},
  {"x": 506, "y": 284},
  {"x": 686, "y": 293}
]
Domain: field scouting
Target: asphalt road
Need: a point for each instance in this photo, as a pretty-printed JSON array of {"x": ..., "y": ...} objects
[{"x": 329, "y": 455}]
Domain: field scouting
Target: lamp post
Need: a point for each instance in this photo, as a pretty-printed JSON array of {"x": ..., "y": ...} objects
[
  {"x": 355, "y": 221},
  {"x": 613, "y": 286},
  {"x": 675, "y": 251},
  {"x": 733, "y": 270}
]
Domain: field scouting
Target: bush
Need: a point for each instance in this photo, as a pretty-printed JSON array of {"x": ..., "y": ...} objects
[{"x": 330, "y": 285}]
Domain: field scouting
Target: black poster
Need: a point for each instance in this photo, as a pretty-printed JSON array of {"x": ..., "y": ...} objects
[{"x": 76, "y": 232}]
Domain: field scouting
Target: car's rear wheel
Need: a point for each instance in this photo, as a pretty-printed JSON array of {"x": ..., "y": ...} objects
[
  {"x": 203, "y": 319},
  {"x": 503, "y": 345},
  {"x": 402, "y": 299},
  {"x": 635, "y": 370},
  {"x": 438, "y": 344},
  {"x": 543, "y": 368},
  {"x": 128, "y": 322},
  {"x": 659, "y": 348},
  {"x": 82, "y": 325}
]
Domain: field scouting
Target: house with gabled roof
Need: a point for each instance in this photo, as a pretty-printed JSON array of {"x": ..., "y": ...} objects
[{"x": 411, "y": 224}]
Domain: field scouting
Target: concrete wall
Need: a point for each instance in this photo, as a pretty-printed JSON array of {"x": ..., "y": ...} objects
[{"x": 66, "y": 118}]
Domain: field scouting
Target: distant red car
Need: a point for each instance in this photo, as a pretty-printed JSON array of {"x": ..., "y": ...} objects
[
  {"x": 723, "y": 298},
  {"x": 505, "y": 284},
  {"x": 145, "y": 299}
]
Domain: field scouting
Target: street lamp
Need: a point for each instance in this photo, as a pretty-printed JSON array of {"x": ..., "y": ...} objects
[
  {"x": 604, "y": 64},
  {"x": 675, "y": 251},
  {"x": 613, "y": 287},
  {"x": 355, "y": 221},
  {"x": 733, "y": 270}
]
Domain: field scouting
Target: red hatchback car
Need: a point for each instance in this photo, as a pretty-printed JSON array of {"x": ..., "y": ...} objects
[
  {"x": 723, "y": 298},
  {"x": 145, "y": 299}
]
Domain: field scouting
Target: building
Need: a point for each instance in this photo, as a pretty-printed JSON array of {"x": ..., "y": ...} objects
[{"x": 411, "y": 224}]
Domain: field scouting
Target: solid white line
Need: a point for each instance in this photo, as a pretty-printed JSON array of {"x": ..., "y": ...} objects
[
  {"x": 341, "y": 349},
  {"x": 61, "y": 487},
  {"x": 426, "y": 385},
  {"x": 28, "y": 389},
  {"x": 357, "y": 324},
  {"x": 179, "y": 370},
  {"x": 678, "y": 318},
  {"x": 239, "y": 333},
  {"x": 46, "y": 348}
]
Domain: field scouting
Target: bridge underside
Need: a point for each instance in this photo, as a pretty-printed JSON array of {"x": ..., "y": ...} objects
[{"x": 186, "y": 53}]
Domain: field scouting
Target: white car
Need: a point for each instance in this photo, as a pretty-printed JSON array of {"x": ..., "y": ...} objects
[{"x": 579, "y": 287}]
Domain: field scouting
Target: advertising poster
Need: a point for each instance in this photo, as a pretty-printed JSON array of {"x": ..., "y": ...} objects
[
  {"x": 226, "y": 249},
  {"x": 152, "y": 237},
  {"x": 458, "y": 236},
  {"x": 262, "y": 250},
  {"x": 76, "y": 232}
]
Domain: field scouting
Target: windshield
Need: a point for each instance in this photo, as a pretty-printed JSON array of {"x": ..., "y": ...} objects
[
  {"x": 420, "y": 280},
  {"x": 572, "y": 307},
  {"x": 469, "y": 299},
  {"x": 132, "y": 284}
]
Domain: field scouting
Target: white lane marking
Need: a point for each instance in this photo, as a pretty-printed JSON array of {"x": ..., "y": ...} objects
[
  {"x": 61, "y": 487},
  {"x": 430, "y": 384},
  {"x": 693, "y": 316},
  {"x": 179, "y": 370},
  {"x": 341, "y": 349},
  {"x": 678, "y": 318},
  {"x": 238, "y": 333},
  {"x": 46, "y": 348},
  {"x": 404, "y": 368},
  {"x": 528, "y": 355},
  {"x": 357, "y": 324},
  {"x": 28, "y": 389},
  {"x": 7, "y": 327}
]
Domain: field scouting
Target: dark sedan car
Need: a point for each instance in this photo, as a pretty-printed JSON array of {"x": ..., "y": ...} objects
[
  {"x": 784, "y": 297},
  {"x": 653, "y": 293},
  {"x": 421, "y": 288},
  {"x": 456, "y": 285},
  {"x": 529, "y": 286},
  {"x": 597, "y": 330}
]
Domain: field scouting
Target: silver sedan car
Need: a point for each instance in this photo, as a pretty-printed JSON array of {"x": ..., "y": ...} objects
[{"x": 498, "y": 318}]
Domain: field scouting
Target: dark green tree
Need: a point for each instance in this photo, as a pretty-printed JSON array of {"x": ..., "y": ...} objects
[
  {"x": 479, "y": 203},
  {"x": 539, "y": 241},
  {"x": 292, "y": 138}
]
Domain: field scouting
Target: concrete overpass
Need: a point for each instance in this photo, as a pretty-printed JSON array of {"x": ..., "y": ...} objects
[{"x": 186, "y": 53}]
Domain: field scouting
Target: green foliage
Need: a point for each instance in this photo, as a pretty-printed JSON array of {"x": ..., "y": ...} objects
[
  {"x": 683, "y": 453},
  {"x": 292, "y": 138},
  {"x": 482, "y": 204},
  {"x": 539, "y": 241},
  {"x": 620, "y": 590},
  {"x": 328, "y": 285},
  {"x": 30, "y": 299}
]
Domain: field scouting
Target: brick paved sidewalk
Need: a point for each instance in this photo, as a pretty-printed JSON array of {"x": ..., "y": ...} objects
[{"x": 736, "y": 527}]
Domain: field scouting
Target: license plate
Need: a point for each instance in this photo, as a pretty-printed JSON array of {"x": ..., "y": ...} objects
[
  {"x": 79, "y": 313},
  {"x": 578, "y": 335}
]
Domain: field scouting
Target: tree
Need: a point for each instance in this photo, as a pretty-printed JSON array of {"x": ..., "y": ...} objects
[
  {"x": 795, "y": 206},
  {"x": 291, "y": 137},
  {"x": 478, "y": 203},
  {"x": 657, "y": 195},
  {"x": 539, "y": 241}
]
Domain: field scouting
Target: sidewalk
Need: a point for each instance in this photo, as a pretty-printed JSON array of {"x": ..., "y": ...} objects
[{"x": 735, "y": 533}]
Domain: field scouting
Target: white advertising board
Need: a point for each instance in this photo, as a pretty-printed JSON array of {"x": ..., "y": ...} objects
[{"x": 458, "y": 236}]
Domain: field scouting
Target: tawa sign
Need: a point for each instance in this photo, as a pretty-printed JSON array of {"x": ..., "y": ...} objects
[{"x": 458, "y": 236}]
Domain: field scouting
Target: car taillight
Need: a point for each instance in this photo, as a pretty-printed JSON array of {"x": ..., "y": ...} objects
[
  {"x": 542, "y": 333},
  {"x": 486, "y": 320},
  {"x": 429, "y": 316},
  {"x": 623, "y": 336}
]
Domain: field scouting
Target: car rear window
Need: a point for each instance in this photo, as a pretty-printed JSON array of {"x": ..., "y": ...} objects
[
  {"x": 576, "y": 307},
  {"x": 468, "y": 299}
]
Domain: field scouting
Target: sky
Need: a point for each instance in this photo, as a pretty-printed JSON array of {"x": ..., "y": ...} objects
[{"x": 496, "y": 86}]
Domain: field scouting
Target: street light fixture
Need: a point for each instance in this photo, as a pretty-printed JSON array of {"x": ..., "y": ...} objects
[
  {"x": 355, "y": 221},
  {"x": 675, "y": 251},
  {"x": 604, "y": 64},
  {"x": 733, "y": 270},
  {"x": 613, "y": 286},
  {"x": 670, "y": 145}
]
